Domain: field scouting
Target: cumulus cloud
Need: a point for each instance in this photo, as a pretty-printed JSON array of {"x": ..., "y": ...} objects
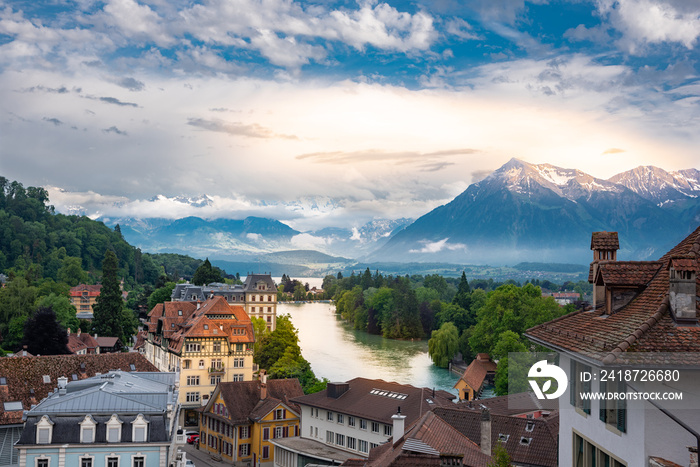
[
  {"x": 307, "y": 241},
  {"x": 643, "y": 22},
  {"x": 115, "y": 130},
  {"x": 440, "y": 245}
]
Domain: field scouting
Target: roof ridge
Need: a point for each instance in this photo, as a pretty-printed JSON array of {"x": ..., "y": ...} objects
[{"x": 639, "y": 332}]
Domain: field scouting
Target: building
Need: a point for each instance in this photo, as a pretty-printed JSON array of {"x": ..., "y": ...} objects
[
  {"x": 82, "y": 343},
  {"x": 643, "y": 310},
  {"x": 205, "y": 343},
  {"x": 348, "y": 419},
  {"x": 477, "y": 379},
  {"x": 243, "y": 418},
  {"x": 83, "y": 298},
  {"x": 118, "y": 419},
  {"x": 108, "y": 344},
  {"x": 258, "y": 296},
  {"x": 26, "y": 380}
]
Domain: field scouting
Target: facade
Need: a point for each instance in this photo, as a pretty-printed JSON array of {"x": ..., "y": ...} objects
[
  {"x": 258, "y": 296},
  {"x": 26, "y": 380},
  {"x": 82, "y": 343},
  {"x": 117, "y": 419},
  {"x": 205, "y": 343},
  {"x": 643, "y": 309},
  {"x": 479, "y": 374},
  {"x": 348, "y": 419},
  {"x": 83, "y": 298},
  {"x": 243, "y": 418}
]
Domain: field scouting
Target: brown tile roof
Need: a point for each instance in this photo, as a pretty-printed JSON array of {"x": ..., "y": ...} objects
[
  {"x": 75, "y": 345},
  {"x": 25, "y": 375},
  {"x": 529, "y": 441},
  {"x": 604, "y": 241},
  {"x": 242, "y": 398},
  {"x": 513, "y": 404},
  {"x": 140, "y": 339},
  {"x": 372, "y": 399},
  {"x": 476, "y": 372},
  {"x": 92, "y": 290},
  {"x": 627, "y": 273},
  {"x": 643, "y": 325},
  {"x": 684, "y": 263},
  {"x": 424, "y": 443}
]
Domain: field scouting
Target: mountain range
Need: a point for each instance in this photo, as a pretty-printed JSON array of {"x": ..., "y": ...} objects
[{"x": 520, "y": 212}]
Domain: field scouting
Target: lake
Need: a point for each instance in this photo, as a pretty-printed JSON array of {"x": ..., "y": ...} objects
[{"x": 338, "y": 352}]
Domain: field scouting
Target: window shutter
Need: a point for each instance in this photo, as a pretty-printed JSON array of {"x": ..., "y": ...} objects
[
  {"x": 622, "y": 413},
  {"x": 587, "y": 402},
  {"x": 603, "y": 389},
  {"x": 285, "y": 432},
  {"x": 284, "y": 413},
  {"x": 572, "y": 379}
]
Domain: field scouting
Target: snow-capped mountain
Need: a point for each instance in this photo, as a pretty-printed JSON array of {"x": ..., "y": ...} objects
[
  {"x": 659, "y": 186},
  {"x": 529, "y": 212}
]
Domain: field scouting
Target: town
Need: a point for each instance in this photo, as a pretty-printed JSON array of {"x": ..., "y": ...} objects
[{"x": 188, "y": 391}]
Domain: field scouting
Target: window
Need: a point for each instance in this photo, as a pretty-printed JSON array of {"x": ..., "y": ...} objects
[
  {"x": 614, "y": 412},
  {"x": 280, "y": 414},
  {"x": 139, "y": 429},
  {"x": 47, "y": 379},
  {"x": 217, "y": 347},
  {"x": 266, "y": 433},
  {"x": 193, "y": 347},
  {"x": 192, "y": 397},
  {"x": 587, "y": 454},
  {"x": 201, "y": 364},
  {"x": 330, "y": 437},
  {"x": 238, "y": 377},
  {"x": 186, "y": 364},
  {"x": 239, "y": 347},
  {"x": 363, "y": 446},
  {"x": 329, "y": 416},
  {"x": 375, "y": 427},
  {"x": 351, "y": 422},
  {"x": 216, "y": 363},
  {"x": 244, "y": 432},
  {"x": 42, "y": 463},
  {"x": 339, "y": 439},
  {"x": 363, "y": 424},
  {"x": 139, "y": 462},
  {"x": 279, "y": 432},
  {"x": 86, "y": 462},
  {"x": 87, "y": 430},
  {"x": 238, "y": 362},
  {"x": 352, "y": 443},
  {"x": 112, "y": 462},
  {"x": 578, "y": 386},
  {"x": 206, "y": 326},
  {"x": 266, "y": 452},
  {"x": 243, "y": 450},
  {"x": 340, "y": 418},
  {"x": 114, "y": 429},
  {"x": 214, "y": 380},
  {"x": 193, "y": 380},
  {"x": 44, "y": 429},
  {"x": 387, "y": 430}
]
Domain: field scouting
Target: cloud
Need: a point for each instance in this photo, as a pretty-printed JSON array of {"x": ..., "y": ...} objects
[
  {"x": 254, "y": 236},
  {"x": 597, "y": 34},
  {"x": 307, "y": 241},
  {"x": 436, "y": 247},
  {"x": 613, "y": 151},
  {"x": 132, "y": 84},
  {"x": 115, "y": 101},
  {"x": 460, "y": 28},
  {"x": 237, "y": 129},
  {"x": 55, "y": 121},
  {"x": 115, "y": 130},
  {"x": 643, "y": 22},
  {"x": 377, "y": 155},
  {"x": 479, "y": 175}
]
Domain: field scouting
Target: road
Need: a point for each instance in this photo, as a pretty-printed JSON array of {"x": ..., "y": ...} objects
[{"x": 201, "y": 458}]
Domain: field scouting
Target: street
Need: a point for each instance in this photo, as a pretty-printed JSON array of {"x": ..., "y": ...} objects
[{"x": 201, "y": 458}]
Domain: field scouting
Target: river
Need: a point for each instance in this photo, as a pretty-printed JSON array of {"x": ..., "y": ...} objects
[{"x": 338, "y": 352}]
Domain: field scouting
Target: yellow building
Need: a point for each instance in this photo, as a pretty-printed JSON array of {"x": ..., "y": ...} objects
[
  {"x": 207, "y": 343},
  {"x": 480, "y": 373},
  {"x": 242, "y": 418}
]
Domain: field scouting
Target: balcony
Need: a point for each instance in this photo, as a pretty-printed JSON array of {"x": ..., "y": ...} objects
[{"x": 216, "y": 370}]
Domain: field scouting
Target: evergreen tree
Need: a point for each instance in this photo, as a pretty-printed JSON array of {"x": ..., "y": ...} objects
[
  {"x": 206, "y": 274},
  {"x": 43, "y": 335},
  {"x": 107, "y": 311},
  {"x": 499, "y": 457},
  {"x": 463, "y": 297}
]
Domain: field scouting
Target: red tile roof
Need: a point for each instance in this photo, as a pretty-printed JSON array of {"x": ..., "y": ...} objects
[
  {"x": 476, "y": 372},
  {"x": 604, "y": 241},
  {"x": 92, "y": 290},
  {"x": 627, "y": 273},
  {"x": 25, "y": 375},
  {"x": 643, "y": 325}
]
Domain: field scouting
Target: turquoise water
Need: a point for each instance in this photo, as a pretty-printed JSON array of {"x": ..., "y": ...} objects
[{"x": 339, "y": 353}]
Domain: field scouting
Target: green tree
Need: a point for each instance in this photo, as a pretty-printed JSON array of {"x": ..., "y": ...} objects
[
  {"x": 107, "y": 311},
  {"x": 71, "y": 271},
  {"x": 43, "y": 335},
  {"x": 161, "y": 295},
  {"x": 262, "y": 334},
  {"x": 63, "y": 309},
  {"x": 463, "y": 296},
  {"x": 206, "y": 274},
  {"x": 443, "y": 344},
  {"x": 499, "y": 456},
  {"x": 17, "y": 301},
  {"x": 274, "y": 346}
]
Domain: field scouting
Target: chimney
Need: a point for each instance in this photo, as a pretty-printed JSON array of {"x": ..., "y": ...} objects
[
  {"x": 263, "y": 385},
  {"x": 62, "y": 383},
  {"x": 68, "y": 330},
  {"x": 682, "y": 292},
  {"x": 486, "y": 431},
  {"x": 335, "y": 390},
  {"x": 399, "y": 423},
  {"x": 604, "y": 246},
  {"x": 78, "y": 332}
]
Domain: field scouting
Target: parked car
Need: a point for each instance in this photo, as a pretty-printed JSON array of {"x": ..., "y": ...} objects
[
  {"x": 193, "y": 438},
  {"x": 189, "y": 463}
]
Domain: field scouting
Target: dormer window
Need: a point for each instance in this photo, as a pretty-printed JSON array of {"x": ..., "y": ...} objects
[
  {"x": 139, "y": 429},
  {"x": 87, "y": 430},
  {"x": 44, "y": 430},
  {"x": 114, "y": 429}
]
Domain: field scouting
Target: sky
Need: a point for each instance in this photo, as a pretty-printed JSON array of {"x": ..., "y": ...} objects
[{"x": 332, "y": 113}]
